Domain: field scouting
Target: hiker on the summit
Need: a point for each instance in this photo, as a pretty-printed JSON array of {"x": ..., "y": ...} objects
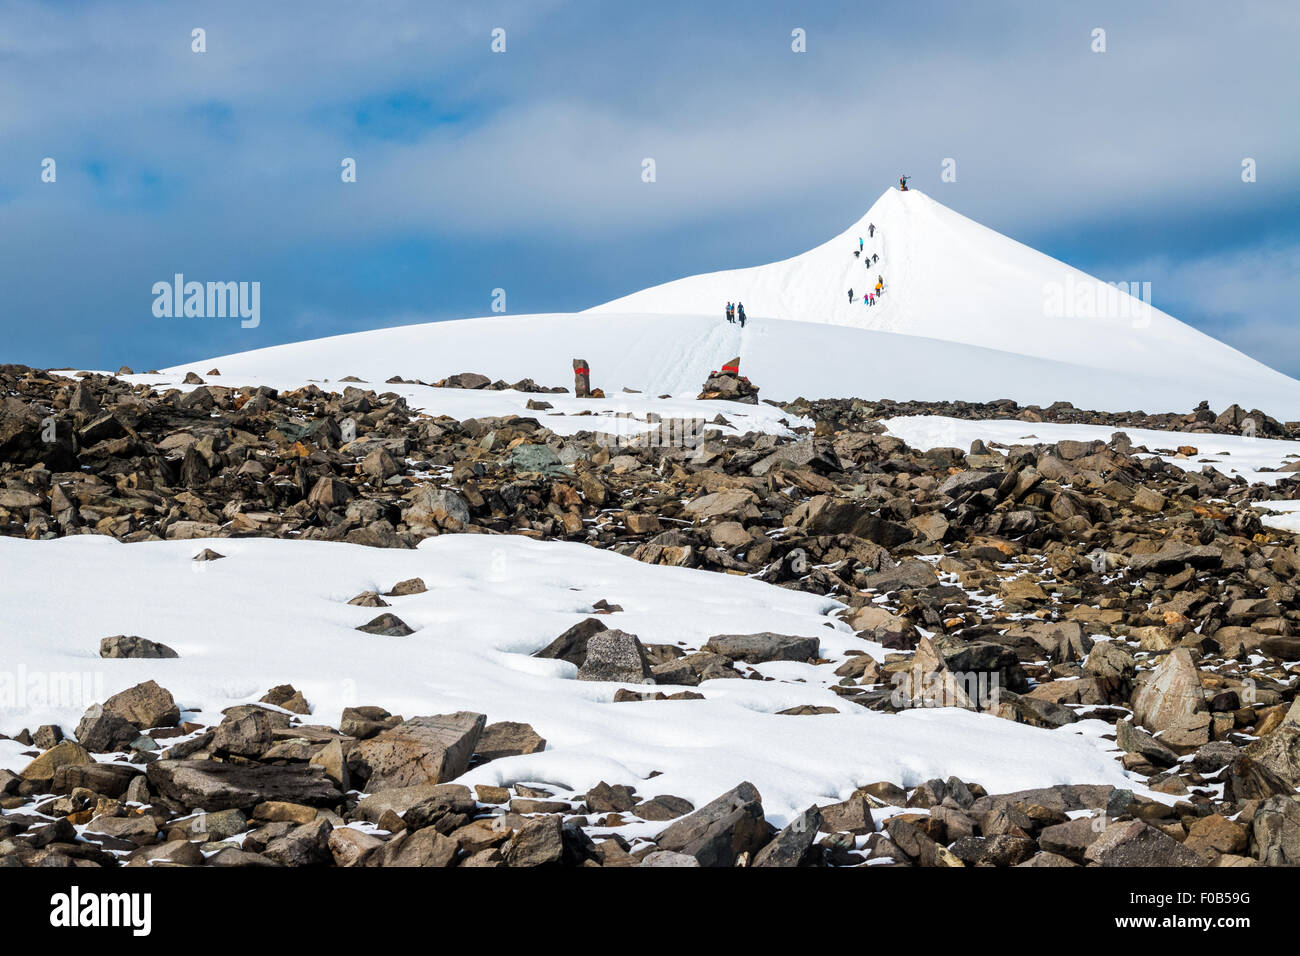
[
  {"x": 731, "y": 312},
  {"x": 902, "y": 182},
  {"x": 740, "y": 313}
]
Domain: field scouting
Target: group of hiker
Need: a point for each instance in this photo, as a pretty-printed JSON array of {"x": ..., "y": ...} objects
[
  {"x": 871, "y": 295},
  {"x": 736, "y": 312}
]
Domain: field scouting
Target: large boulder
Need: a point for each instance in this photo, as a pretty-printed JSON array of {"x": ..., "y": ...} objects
[
  {"x": 1174, "y": 556},
  {"x": 720, "y": 831},
  {"x": 968, "y": 482},
  {"x": 538, "y": 842},
  {"x": 246, "y": 733},
  {"x": 306, "y": 845},
  {"x": 464, "y": 380},
  {"x": 421, "y": 750},
  {"x": 1279, "y": 750},
  {"x": 387, "y": 624},
  {"x": 738, "y": 504},
  {"x": 64, "y": 754},
  {"x": 571, "y": 646},
  {"x": 824, "y": 514},
  {"x": 508, "y": 739},
  {"x": 793, "y": 845},
  {"x": 764, "y": 646},
  {"x": 1170, "y": 694},
  {"x": 102, "y": 732},
  {"x": 423, "y": 848},
  {"x": 145, "y": 705},
  {"x": 616, "y": 656},
  {"x": 23, "y": 436},
  {"x": 108, "y": 779},
  {"x": 912, "y": 573},
  {"x": 210, "y": 785},
  {"x": 402, "y": 799},
  {"x": 538, "y": 459},
  {"x": 437, "y": 508},
  {"x": 128, "y": 646},
  {"x": 1276, "y": 829},
  {"x": 1247, "y": 780},
  {"x": 1134, "y": 843}
]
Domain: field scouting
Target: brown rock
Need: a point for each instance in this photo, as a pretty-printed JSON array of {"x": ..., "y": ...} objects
[
  {"x": 1170, "y": 693},
  {"x": 145, "y": 705},
  {"x": 423, "y": 750}
]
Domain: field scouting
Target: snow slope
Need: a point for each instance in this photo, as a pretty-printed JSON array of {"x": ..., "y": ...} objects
[
  {"x": 672, "y": 355},
  {"x": 948, "y": 277},
  {"x": 968, "y": 314},
  {"x": 275, "y": 612}
]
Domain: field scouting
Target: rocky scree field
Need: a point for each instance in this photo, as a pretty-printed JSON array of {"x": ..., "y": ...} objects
[{"x": 1127, "y": 594}]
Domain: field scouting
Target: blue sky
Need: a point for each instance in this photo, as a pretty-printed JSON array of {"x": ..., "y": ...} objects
[{"x": 521, "y": 170}]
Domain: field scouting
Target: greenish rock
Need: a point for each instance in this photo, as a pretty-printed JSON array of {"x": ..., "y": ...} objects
[{"x": 541, "y": 459}]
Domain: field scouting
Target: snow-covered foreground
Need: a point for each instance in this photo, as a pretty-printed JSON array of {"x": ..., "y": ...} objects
[
  {"x": 275, "y": 612},
  {"x": 1230, "y": 454}
]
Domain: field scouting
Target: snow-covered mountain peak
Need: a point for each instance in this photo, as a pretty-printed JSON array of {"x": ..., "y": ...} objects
[
  {"x": 948, "y": 277},
  {"x": 966, "y": 313}
]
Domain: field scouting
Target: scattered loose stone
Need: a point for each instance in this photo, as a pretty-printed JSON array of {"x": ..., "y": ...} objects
[
  {"x": 123, "y": 646},
  {"x": 410, "y": 586},
  {"x": 508, "y": 739},
  {"x": 615, "y": 656},
  {"x": 387, "y": 625},
  {"x": 721, "y": 831}
]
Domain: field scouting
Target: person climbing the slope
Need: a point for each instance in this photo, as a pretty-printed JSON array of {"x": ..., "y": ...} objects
[
  {"x": 859, "y": 243},
  {"x": 871, "y": 298},
  {"x": 850, "y": 297},
  {"x": 880, "y": 286},
  {"x": 871, "y": 231},
  {"x": 740, "y": 313},
  {"x": 875, "y": 257}
]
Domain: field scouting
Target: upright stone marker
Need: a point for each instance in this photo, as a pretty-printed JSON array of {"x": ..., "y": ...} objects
[{"x": 581, "y": 378}]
